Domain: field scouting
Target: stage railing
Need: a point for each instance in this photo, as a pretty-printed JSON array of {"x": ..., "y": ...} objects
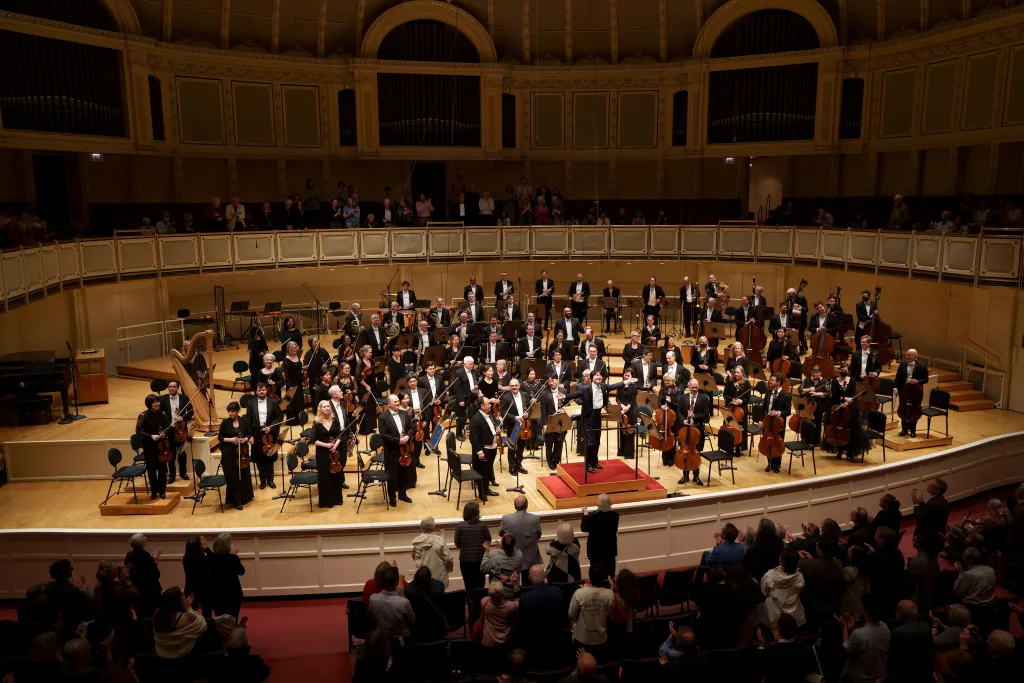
[{"x": 27, "y": 273}]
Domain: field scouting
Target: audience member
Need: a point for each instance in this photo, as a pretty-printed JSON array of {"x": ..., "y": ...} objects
[
  {"x": 860, "y": 531},
  {"x": 824, "y": 219},
  {"x": 240, "y": 664},
  {"x": 564, "y": 551},
  {"x": 165, "y": 226},
  {"x": 374, "y": 584},
  {"x": 114, "y": 595},
  {"x": 286, "y": 220},
  {"x": 923, "y": 577},
  {"x": 516, "y": 667},
  {"x": 602, "y": 529},
  {"x": 234, "y": 215},
  {"x": 975, "y": 585},
  {"x": 176, "y": 628},
  {"x": 726, "y": 551},
  {"x": 144, "y": 575},
  {"x": 867, "y": 647},
  {"x": 763, "y": 553},
  {"x": 425, "y": 595},
  {"x": 541, "y": 620},
  {"x": 899, "y": 217},
  {"x": 855, "y": 578},
  {"x": 782, "y": 587},
  {"x": 720, "y": 612},
  {"x": 70, "y": 598},
  {"x": 225, "y": 568},
  {"x": 471, "y": 536},
  {"x": 686, "y": 664},
  {"x": 590, "y": 610},
  {"x": 390, "y": 610},
  {"x": 786, "y": 660},
  {"x": 352, "y": 214},
  {"x": 196, "y": 563},
  {"x": 430, "y": 549},
  {"x": 310, "y": 199},
  {"x": 525, "y": 527},
  {"x": 932, "y": 514},
  {"x": 375, "y": 664},
  {"x": 947, "y": 637},
  {"x": 503, "y": 562},
  {"x": 424, "y": 210},
  {"x": 824, "y": 582},
  {"x": 336, "y": 215},
  {"x": 497, "y": 613},
  {"x": 888, "y": 515},
  {"x": 910, "y": 647},
  {"x": 885, "y": 570},
  {"x": 214, "y": 216}
]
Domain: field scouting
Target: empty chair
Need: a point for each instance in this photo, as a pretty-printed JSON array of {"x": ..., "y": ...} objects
[
  {"x": 675, "y": 587},
  {"x": 722, "y": 456},
  {"x": 877, "y": 423},
  {"x": 299, "y": 480},
  {"x": 647, "y": 586},
  {"x": 122, "y": 474},
  {"x": 938, "y": 405},
  {"x": 807, "y": 442},
  {"x": 204, "y": 484},
  {"x": 456, "y": 472},
  {"x": 239, "y": 367}
]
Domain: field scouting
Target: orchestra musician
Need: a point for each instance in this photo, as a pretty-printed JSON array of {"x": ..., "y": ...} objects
[
  {"x": 493, "y": 350},
  {"x": 744, "y": 313},
  {"x": 151, "y": 426},
  {"x": 736, "y": 392},
  {"x": 352, "y": 321},
  {"x": 818, "y": 390},
  {"x": 326, "y": 437},
  {"x": 568, "y": 325},
  {"x": 452, "y": 355},
  {"x": 232, "y": 434},
  {"x": 632, "y": 350},
  {"x": 344, "y": 379},
  {"x": 865, "y": 310},
  {"x": 626, "y": 398},
  {"x": 593, "y": 399},
  {"x": 552, "y": 401},
  {"x": 668, "y": 396},
  {"x": 262, "y": 411},
  {"x": 777, "y": 403},
  {"x": 395, "y": 428},
  {"x": 502, "y": 374},
  {"x": 737, "y": 358},
  {"x": 257, "y": 345},
  {"x": 465, "y": 380},
  {"x": 474, "y": 308},
  {"x": 431, "y": 385},
  {"x": 689, "y": 297},
  {"x": 440, "y": 314},
  {"x": 545, "y": 287},
  {"x": 559, "y": 344},
  {"x": 321, "y": 391},
  {"x": 652, "y": 296},
  {"x": 580, "y": 290},
  {"x": 780, "y": 347},
  {"x": 531, "y": 319},
  {"x": 271, "y": 376},
  {"x": 176, "y": 407},
  {"x": 651, "y": 333},
  {"x": 315, "y": 359},
  {"x": 514, "y": 406},
  {"x": 406, "y": 297},
  {"x": 671, "y": 346},
  {"x": 799, "y": 300},
  {"x": 375, "y": 336},
  {"x": 822, "y": 320},
  {"x": 463, "y": 329},
  {"x": 395, "y": 368},
  {"x": 365, "y": 373},
  {"x": 473, "y": 288},
  {"x": 590, "y": 340},
  {"x": 592, "y": 362},
  {"x": 679, "y": 373},
  {"x": 711, "y": 313},
  {"x": 294, "y": 378},
  {"x": 510, "y": 308},
  {"x": 611, "y": 292},
  {"x": 290, "y": 332},
  {"x": 910, "y": 371},
  {"x": 780, "y": 320},
  {"x": 530, "y": 344},
  {"x": 336, "y": 397},
  {"x": 424, "y": 337},
  {"x": 394, "y": 316},
  {"x": 483, "y": 436},
  {"x": 703, "y": 358},
  {"x": 558, "y": 369},
  {"x": 503, "y": 288},
  {"x": 644, "y": 370},
  {"x": 415, "y": 398},
  {"x": 864, "y": 361},
  {"x": 758, "y": 300},
  {"x": 844, "y": 388},
  {"x": 711, "y": 288},
  {"x": 700, "y": 403}
]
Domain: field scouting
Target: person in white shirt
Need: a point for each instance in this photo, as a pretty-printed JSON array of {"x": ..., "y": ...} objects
[
  {"x": 486, "y": 204},
  {"x": 234, "y": 215},
  {"x": 590, "y": 610}
]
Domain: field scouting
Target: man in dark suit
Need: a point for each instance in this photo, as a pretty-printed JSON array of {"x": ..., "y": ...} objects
[
  {"x": 502, "y": 289},
  {"x": 787, "y": 659},
  {"x": 797, "y": 302},
  {"x": 540, "y": 622},
  {"x": 579, "y": 290},
  {"x": 375, "y": 336},
  {"x": 911, "y": 371},
  {"x": 406, "y": 297},
  {"x": 463, "y": 329},
  {"x": 593, "y": 398},
  {"x": 644, "y": 369},
  {"x": 590, "y": 340},
  {"x": 262, "y": 412},
  {"x": 394, "y": 316},
  {"x": 465, "y": 381},
  {"x": 424, "y": 337},
  {"x": 431, "y": 384},
  {"x": 569, "y": 325},
  {"x": 781, "y": 319},
  {"x": 652, "y": 295},
  {"x": 441, "y": 314},
  {"x": 745, "y": 313},
  {"x": 592, "y": 363},
  {"x": 700, "y": 402},
  {"x": 482, "y": 435},
  {"x": 174, "y": 405},
  {"x": 545, "y": 287},
  {"x": 777, "y": 403},
  {"x": 558, "y": 368},
  {"x": 865, "y": 310},
  {"x": 530, "y": 345},
  {"x": 611, "y": 292},
  {"x": 515, "y": 407},
  {"x": 933, "y": 514},
  {"x": 711, "y": 288},
  {"x": 675, "y": 369},
  {"x": 395, "y": 428},
  {"x": 689, "y": 298},
  {"x": 910, "y": 647},
  {"x": 473, "y": 288},
  {"x": 510, "y": 309},
  {"x": 493, "y": 350},
  {"x": 475, "y": 309},
  {"x": 551, "y": 401},
  {"x": 712, "y": 313},
  {"x": 864, "y": 361},
  {"x": 352, "y": 321},
  {"x": 822, "y": 320}
]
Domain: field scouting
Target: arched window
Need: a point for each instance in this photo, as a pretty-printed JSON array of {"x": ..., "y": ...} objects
[
  {"x": 426, "y": 40},
  {"x": 765, "y": 32},
  {"x": 89, "y": 13}
]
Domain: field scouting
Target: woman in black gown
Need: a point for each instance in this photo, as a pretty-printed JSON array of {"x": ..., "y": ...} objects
[
  {"x": 257, "y": 348},
  {"x": 702, "y": 358},
  {"x": 737, "y": 388},
  {"x": 294, "y": 378},
  {"x": 233, "y": 433},
  {"x": 319, "y": 392},
  {"x": 316, "y": 359},
  {"x": 737, "y": 357},
  {"x": 290, "y": 333},
  {"x": 633, "y": 350},
  {"x": 326, "y": 438},
  {"x": 780, "y": 347},
  {"x": 365, "y": 379},
  {"x": 269, "y": 375},
  {"x": 844, "y": 388},
  {"x": 151, "y": 426},
  {"x": 488, "y": 386}
]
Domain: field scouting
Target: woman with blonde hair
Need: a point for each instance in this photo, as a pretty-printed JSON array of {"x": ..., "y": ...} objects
[
  {"x": 225, "y": 568},
  {"x": 294, "y": 377},
  {"x": 497, "y": 614},
  {"x": 327, "y": 438},
  {"x": 564, "y": 552}
]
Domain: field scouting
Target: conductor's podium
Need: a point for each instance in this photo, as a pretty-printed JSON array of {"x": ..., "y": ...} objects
[{"x": 572, "y": 487}]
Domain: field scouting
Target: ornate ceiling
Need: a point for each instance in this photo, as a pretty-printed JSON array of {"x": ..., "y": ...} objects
[{"x": 250, "y": 25}]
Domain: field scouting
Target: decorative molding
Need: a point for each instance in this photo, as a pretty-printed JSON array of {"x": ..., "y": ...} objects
[
  {"x": 321, "y": 31},
  {"x": 663, "y": 30},
  {"x": 282, "y": 179},
  {"x": 490, "y": 18},
  {"x": 726, "y": 15},
  {"x": 568, "y": 32},
  {"x": 179, "y": 179},
  {"x": 925, "y": 20},
  {"x": 225, "y": 24},
  {"x": 844, "y": 23},
  {"x": 526, "y": 32},
  {"x": 360, "y": 18},
  {"x": 613, "y": 8},
  {"x": 613, "y": 177},
  {"x": 275, "y": 27},
  {"x": 698, "y": 13},
  {"x": 466, "y": 23},
  {"x": 168, "y": 21}
]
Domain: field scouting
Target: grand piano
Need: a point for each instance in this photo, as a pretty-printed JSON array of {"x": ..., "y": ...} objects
[{"x": 35, "y": 372}]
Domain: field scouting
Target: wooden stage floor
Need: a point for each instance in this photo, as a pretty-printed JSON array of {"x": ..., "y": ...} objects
[{"x": 74, "y": 504}]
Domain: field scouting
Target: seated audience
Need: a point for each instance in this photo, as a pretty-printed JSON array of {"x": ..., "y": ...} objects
[{"x": 727, "y": 550}]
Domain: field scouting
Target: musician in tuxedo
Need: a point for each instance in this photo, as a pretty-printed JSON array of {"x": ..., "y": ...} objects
[
  {"x": 864, "y": 361},
  {"x": 652, "y": 296},
  {"x": 510, "y": 309},
  {"x": 261, "y": 412},
  {"x": 559, "y": 344},
  {"x": 406, "y": 297},
  {"x": 483, "y": 435},
  {"x": 316, "y": 359},
  {"x": 568, "y": 325},
  {"x": 711, "y": 287},
  {"x": 419, "y": 409},
  {"x": 515, "y": 406},
  {"x": 590, "y": 340},
  {"x": 431, "y": 384},
  {"x": 352, "y": 322},
  {"x": 395, "y": 428},
  {"x": 700, "y": 403},
  {"x": 795, "y": 299},
  {"x": 689, "y": 297},
  {"x": 440, "y": 314},
  {"x": 644, "y": 370},
  {"x": 394, "y": 316},
  {"x": 626, "y": 398},
  {"x": 465, "y": 380},
  {"x": 545, "y": 287},
  {"x": 375, "y": 336},
  {"x": 503, "y": 288},
  {"x": 492, "y": 328},
  {"x": 474, "y": 308},
  {"x": 559, "y": 369},
  {"x": 650, "y": 333},
  {"x": 153, "y": 425},
  {"x": 611, "y": 292},
  {"x": 822, "y": 320},
  {"x": 493, "y": 350},
  {"x": 531, "y": 319},
  {"x": 592, "y": 362},
  {"x": 336, "y": 399},
  {"x": 530, "y": 345},
  {"x": 865, "y": 311},
  {"x": 712, "y": 313},
  {"x": 673, "y": 368},
  {"x": 175, "y": 406},
  {"x": 758, "y": 299},
  {"x": 910, "y": 371},
  {"x": 745, "y": 313},
  {"x": 424, "y": 337},
  {"x": 581, "y": 290},
  {"x": 782, "y": 320},
  {"x": 818, "y": 390},
  {"x": 396, "y": 368},
  {"x": 593, "y": 398},
  {"x": 736, "y": 393},
  {"x": 463, "y": 329},
  {"x": 474, "y": 289},
  {"x": 778, "y": 404}
]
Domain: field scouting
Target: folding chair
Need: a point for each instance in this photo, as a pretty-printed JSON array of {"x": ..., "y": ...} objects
[
  {"x": 123, "y": 474},
  {"x": 938, "y": 405},
  {"x": 204, "y": 484},
  {"x": 299, "y": 479},
  {"x": 723, "y": 454}
]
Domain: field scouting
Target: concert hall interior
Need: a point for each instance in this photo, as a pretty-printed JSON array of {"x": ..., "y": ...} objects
[{"x": 308, "y": 293}]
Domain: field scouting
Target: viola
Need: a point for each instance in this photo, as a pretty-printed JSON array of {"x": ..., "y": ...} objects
[
  {"x": 405, "y": 452},
  {"x": 772, "y": 443},
  {"x": 272, "y": 389},
  {"x": 180, "y": 431},
  {"x": 526, "y": 432},
  {"x": 627, "y": 426},
  {"x": 269, "y": 443},
  {"x": 869, "y": 402},
  {"x": 418, "y": 435},
  {"x": 349, "y": 403},
  {"x": 243, "y": 455}
]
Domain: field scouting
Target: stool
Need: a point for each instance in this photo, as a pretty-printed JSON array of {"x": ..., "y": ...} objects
[
  {"x": 27, "y": 406},
  {"x": 898, "y": 338}
]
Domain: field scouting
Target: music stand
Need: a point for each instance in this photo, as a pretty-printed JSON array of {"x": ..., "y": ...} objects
[
  {"x": 648, "y": 399},
  {"x": 757, "y": 373},
  {"x": 510, "y": 329},
  {"x": 405, "y": 341},
  {"x": 669, "y": 309},
  {"x": 432, "y": 353},
  {"x": 440, "y": 335},
  {"x": 764, "y": 313},
  {"x": 469, "y": 352},
  {"x": 714, "y": 330},
  {"x": 794, "y": 336},
  {"x": 867, "y": 396},
  {"x": 706, "y": 381}
]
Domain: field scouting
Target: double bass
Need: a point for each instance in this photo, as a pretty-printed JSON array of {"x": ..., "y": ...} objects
[
  {"x": 795, "y": 309},
  {"x": 911, "y": 396},
  {"x": 688, "y": 453},
  {"x": 821, "y": 346},
  {"x": 772, "y": 443},
  {"x": 879, "y": 332}
]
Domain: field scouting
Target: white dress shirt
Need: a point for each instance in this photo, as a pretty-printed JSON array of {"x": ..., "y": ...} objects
[
  {"x": 652, "y": 297},
  {"x": 406, "y": 301},
  {"x": 261, "y": 410},
  {"x": 864, "y": 358},
  {"x": 598, "y": 397},
  {"x": 398, "y": 422},
  {"x": 472, "y": 382},
  {"x": 518, "y": 398},
  {"x": 173, "y": 400}
]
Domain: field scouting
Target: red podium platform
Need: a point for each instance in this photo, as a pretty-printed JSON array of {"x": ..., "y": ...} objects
[{"x": 572, "y": 487}]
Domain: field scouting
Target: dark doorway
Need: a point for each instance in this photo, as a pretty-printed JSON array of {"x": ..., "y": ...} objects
[
  {"x": 51, "y": 178},
  {"x": 428, "y": 178}
]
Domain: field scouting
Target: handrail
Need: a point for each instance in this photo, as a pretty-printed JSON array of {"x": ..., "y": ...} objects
[{"x": 988, "y": 353}]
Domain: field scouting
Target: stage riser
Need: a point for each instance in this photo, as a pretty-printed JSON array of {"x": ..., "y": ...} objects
[
  {"x": 657, "y": 535},
  {"x": 60, "y": 460}
]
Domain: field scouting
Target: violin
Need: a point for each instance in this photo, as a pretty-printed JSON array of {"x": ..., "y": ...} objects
[
  {"x": 272, "y": 389},
  {"x": 405, "y": 452},
  {"x": 627, "y": 426},
  {"x": 772, "y": 443},
  {"x": 165, "y": 449},
  {"x": 349, "y": 403},
  {"x": 526, "y": 432},
  {"x": 269, "y": 443},
  {"x": 243, "y": 455},
  {"x": 418, "y": 436},
  {"x": 180, "y": 431},
  {"x": 687, "y": 456}
]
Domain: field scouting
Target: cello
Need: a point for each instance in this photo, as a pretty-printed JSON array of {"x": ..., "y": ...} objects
[
  {"x": 689, "y": 435},
  {"x": 772, "y": 443},
  {"x": 821, "y": 346},
  {"x": 911, "y": 396},
  {"x": 838, "y": 431},
  {"x": 879, "y": 332},
  {"x": 664, "y": 418}
]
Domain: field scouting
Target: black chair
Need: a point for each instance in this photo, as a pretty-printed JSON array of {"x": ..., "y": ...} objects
[
  {"x": 720, "y": 381},
  {"x": 938, "y": 405},
  {"x": 456, "y": 472},
  {"x": 807, "y": 442},
  {"x": 376, "y": 451},
  {"x": 122, "y": 474},
  {"x": 376, "y": 476},
  {"x": 884, "y": 394},
  {"x": 647, "y": 586},
  {"x": 675, "y": 587},
  {"x": 300, "y": 479},
  {"x": 754, "y": 425},
  {"x": 453, "y": 604},
  {"x": 335, "y": 308},
  {"x": 239, "y": 367},
  {"x": 462, "y": 656},
  {"x": 204, "y": 484},
  {"x": 723, "y": 454},
  {"x": 877, "y": 423},
  {"x": 136, "y": 443},
  {"x": 898, "y": 338},
  {"x": 158, "y": 386}
]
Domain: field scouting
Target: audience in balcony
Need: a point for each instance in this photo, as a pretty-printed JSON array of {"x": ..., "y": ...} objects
[
  {"x": 234, "y": 215},
  {"x": 486, "y": 208},
  {"x": 424, "y": 210},
  {"x": 310, "y": 199},
  {"x": 165, "y": 226},
  {"x": 824, "y": 219},
  {"x": 602, "y": 218},
  {"x": 525, "y": 213},
  {"x": 541, "y": 216},
  {"x": 352, "y": 213},
  {"x": 214, "y": 216},
  {"x": 899, "y": 217}
]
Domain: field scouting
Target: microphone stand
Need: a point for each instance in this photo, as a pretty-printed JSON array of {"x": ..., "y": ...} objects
[
  {"x": 366, "y": 411},
  {"x": 437, "y": 451},
  {"x": 68, "y": 417},
  {"x": 317, "y": 307}
]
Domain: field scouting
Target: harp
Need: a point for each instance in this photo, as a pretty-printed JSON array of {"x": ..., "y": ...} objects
[{"x": 200, "y": 346}]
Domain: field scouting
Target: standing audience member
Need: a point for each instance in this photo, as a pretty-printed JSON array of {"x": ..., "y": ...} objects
[
  {"x": 564, "y": 551},
  {"x": 424, "y": 594},
  {"x": 541, "y": 619},
  {"x": 923, "y": 577},
  {"x": 374, "y": 584},
  {"x": 932, "y": 514},
  {"x": 720, "y": 612},
  {"x": 391, "y": 610},
  {"x": 196, "y": 563},
  {"x": 430, "y": 549},
  {"x": 497, "y": 613},
  {"x": 763, "y": 553},
  {"x": 787, "y": 660},
  {"x": 885, "y": 570},
  {"x": 975, "y": 586},
  {"x": 503, "y": 563},
  {"x": 888, "y": 515},
  {"x": 867, "y": 647},
  {"x": 591, "y": 608},
  {"x": 145, "y": 575},
  {"x": 225, "y": 568},
  {"x": 114, "y": 595},
  {"x": 71, "y": 598},
  {"x": 471, "y": 535},
  {"x": 525, "y": 526},
  {"x": 176, "y": 628},
  {"x": 782, "y": 587},
  {"x": 823, "y": 582},
  {"x": 910, "y": 648},
  {"x": 602, "y": 529}
]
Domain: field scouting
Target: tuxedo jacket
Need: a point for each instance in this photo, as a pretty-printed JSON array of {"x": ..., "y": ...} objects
[
  {"x": 716, "y": 314},
  {"x": 863, "y": 316},
  {"x": 390, "y": 434},
  {"x": 637, "y": 367},
  {"x": 783, "y": 403},
  {"x": 274, "y": 416},
  {"x": 480, "y": 435},
  {"x": 857, "y": 359},
  {"x": 566, "y": 372},
  {"x": 424, "y": 385},
  {"x": 525, "y": 347},
  {"x": 184, "y": 411},
  {"x": 701, "y": 407},
  {"x": 460, "y": 385},
  {"x": 539, "y": 288},
  {"x": 501, "y": 352},
  {"x": 694, "y": 294},
  {"x": 745, "y": 314},
  {"x": 373, "y": 342},
  {"x": 645, "y": 294},
  {"x": 583, "y": 349},
  {"x": 709, "y": 290},
  {"x": 401, "y": 300},
  {"x": 572, "y": 324},
  {"x": 613, "y": 292},
  {"x": 681, "y": 375},
  {"x": 920, "y": 374},
  {"x": 420, "y": 344},
  {"x": 572, "y": 291},
  {"x": 394, "y": 317},
  {"x": 584, "y": 364},
  {"x": 516, "y": 313},
  {"x": 776, "y": 323},
  {"x": 476, "y": 311},
  {"x": 476, "y": 289},
  {"x": 444, "y": 316},
  {"x": 498, "y": 288},
  {"x": 831, "y": 322},
  {"x": 547, "y": 405},
  {"x": 509, "y": 410},
  {"x": 585, "y": 393}
]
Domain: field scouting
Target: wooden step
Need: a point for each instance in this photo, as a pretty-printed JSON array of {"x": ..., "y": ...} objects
[
  {"x": 905, "y": 443},
  {"x": 966, "y": 395},
  {"x": 939, "y": 375},
  {"x": 975, "y": 404},
  {"x": 958, "y": 385},
  {"x": 124, "y": 504}
]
